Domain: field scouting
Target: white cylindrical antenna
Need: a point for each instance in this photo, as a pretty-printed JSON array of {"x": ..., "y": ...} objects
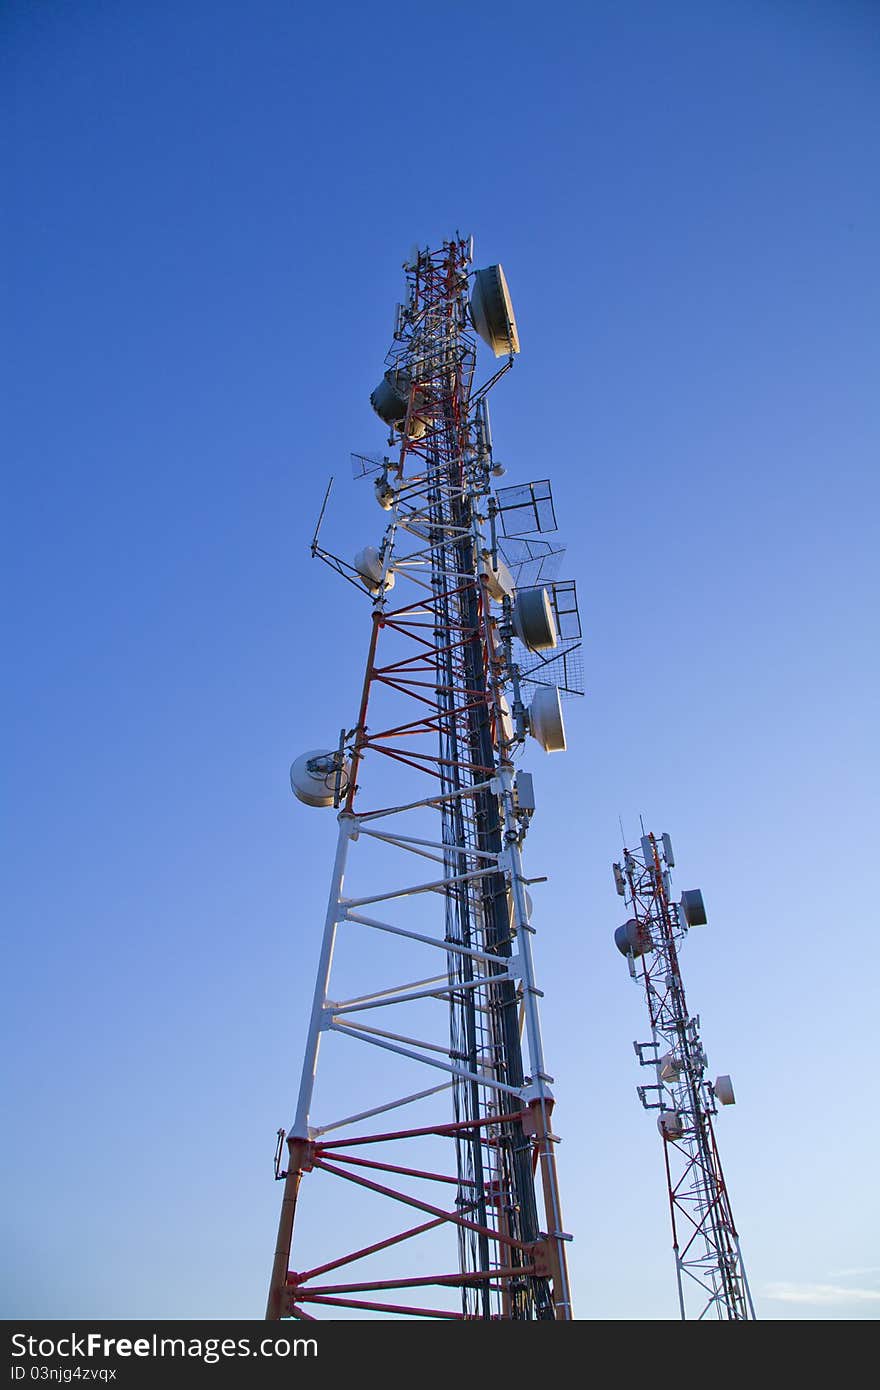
[
  {"x": 670, "y": 1124},
  {"x": 633, "y": 938},
  {"x": 670, "y": 1067},
  {"x": 693, "y": 908},
  {"x": 391, "y": 402},
  {"x": 545, "y": 719},
  {"x": 723, "y": 1089},
  {"x": 313, "y": 777},
  {"x": 371, "y": 568},
  {"x": 492, "y": 311},
  {"x": 533, "y": 620}
]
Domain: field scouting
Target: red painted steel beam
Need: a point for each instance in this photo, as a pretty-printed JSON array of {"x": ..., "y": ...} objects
[
  {"x": 397, "y": 1239},
  {"x": 424, "y": 1206},
  {"x": 405, "y": 1172},
  {"x": 462, "y": 1280},
  {"x": 390, "y": 1308},
  {"x": 444, "y": 1131}
]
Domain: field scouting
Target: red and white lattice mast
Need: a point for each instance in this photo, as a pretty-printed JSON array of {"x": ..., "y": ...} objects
[
  {"x": 709, "y": 1267},
  {"x": 426, "y": 998}
]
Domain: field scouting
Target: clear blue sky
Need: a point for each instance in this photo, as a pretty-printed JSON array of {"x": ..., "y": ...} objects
[{"x": 205, "y": 210}]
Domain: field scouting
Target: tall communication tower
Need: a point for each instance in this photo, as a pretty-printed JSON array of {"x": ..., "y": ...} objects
[
  {"x": 426, "y": 998},
  {"x": 708, "y": 1262}
]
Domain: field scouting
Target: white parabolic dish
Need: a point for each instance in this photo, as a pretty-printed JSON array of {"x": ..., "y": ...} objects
[
  {"x": 313, "y": 777},
  {"x": 693, "y": 907},
  {"x": 723, "y": 1089},
  {"x": 545, "y": 719},
  {"x": 492, "y": 311},
  {"x": 368, "y": 563},
  {"x": 533, "y": 620},
  {"x": 670, "y": 1124}
]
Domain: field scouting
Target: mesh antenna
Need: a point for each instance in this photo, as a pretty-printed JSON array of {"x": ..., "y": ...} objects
[
  {"x": 563, "y": 596},
  {"x": 563, "y": 665},
  {"x": 526, "y": 508},
  {"x": 363, "y": 465},
  {"x": 531, "y": 562}
]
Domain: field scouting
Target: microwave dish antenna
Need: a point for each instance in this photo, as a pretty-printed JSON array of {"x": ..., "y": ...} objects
[
  {"x": 559, "y": 665},
  {"x": 319, "y": 778},
  {"x": 491, "y": 311},
  {"x": 373, "y": 571},
  {"x": 533, "y": 620},
  {"x": 545, "y": 719},
  {"x": 395, "y": 402}
]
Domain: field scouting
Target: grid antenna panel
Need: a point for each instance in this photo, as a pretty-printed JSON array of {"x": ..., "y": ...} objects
[
  {"x": 564, "y": 669},
  {"x": 364, "y": 465},
  {"x": 562, "y": 665},
  {"x": 526, "y": 508},
  {"x": 533, "y": 564}
]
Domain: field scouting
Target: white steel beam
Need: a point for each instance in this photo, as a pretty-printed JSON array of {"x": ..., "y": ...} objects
[
  {"x": 450, "y": 946},
  {"x": 318, "y": 1130},
  {"x": 462, "y": 1072}
]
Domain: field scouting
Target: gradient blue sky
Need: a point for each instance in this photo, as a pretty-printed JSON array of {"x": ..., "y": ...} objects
[{"x": 205, "y": 210}]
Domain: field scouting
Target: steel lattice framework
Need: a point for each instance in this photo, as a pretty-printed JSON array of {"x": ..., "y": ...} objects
[
  {"x": 709, "y": 1266},
  {"x": 428, "y": 910}
]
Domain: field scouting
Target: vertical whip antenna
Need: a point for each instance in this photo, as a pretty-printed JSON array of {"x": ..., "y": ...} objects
[{"x": 321, "y": 516}]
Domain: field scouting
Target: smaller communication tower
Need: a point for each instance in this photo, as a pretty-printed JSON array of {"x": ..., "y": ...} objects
[{"x": 708, "y": 1262}]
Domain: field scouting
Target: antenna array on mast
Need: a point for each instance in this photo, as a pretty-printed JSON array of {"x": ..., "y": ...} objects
[{"x": 428, "y": 911}]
